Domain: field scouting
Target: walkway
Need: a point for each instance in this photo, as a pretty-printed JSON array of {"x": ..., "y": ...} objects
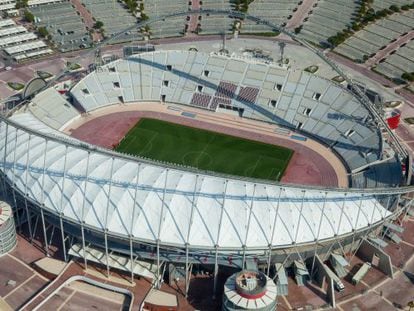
[
  {"x": 87, "y": 19},
  {"x": 139, "y": 289},
  {"x": 393, "y": 46},
  {"x": 192, "y": 24}
]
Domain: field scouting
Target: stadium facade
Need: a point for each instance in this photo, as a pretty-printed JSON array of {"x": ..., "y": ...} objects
[{"x": 161, "y": 213}]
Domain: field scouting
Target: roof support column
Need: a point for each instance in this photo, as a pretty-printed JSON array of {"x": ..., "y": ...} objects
[
  {"x": 162, "y": 204},
  {"x": 218, "y": 239},
  {"x": 300, "y": 215},
  {"x": 61, "y": 214},
  {"x": 106, "y": 253},
  {"x": 29, "y": 222},
  {"x": 187, "y": 276},
  {"x": 43, "y": 201},
  {"x": 131, "y": 258},
  {"x": 244, "y": 256},
  {"x": 248, "y": 226},
  {"x": 14, "y": 183},
  {"x": 5, "y": 160},
  {"x": 83, "y": 212},
  {"x": 63, "y": 237},
  {"x": 388, "y": 205},
  {"x": 342, "y": 213},
  {"x": 131, "y": 229},
  {"x": 187, "y": 243},
  {"x": 106, "y": 216},
  {"x": 273, "y": 232},
  {"x": 159, "y": 228},
  {"x": 269, "y": 259},
  {"x": 158, "y": 284},
  {"x": 406, "y": 207},
  {"x": 319, "y": 231},
  {"x": 383, "y": 232},
  {"x": 356, "y": 226},
  {"x": 215, "y": 272},
  {"x": 85, "y": 261},
  {"x": 373, "y": 212},
  {"x": 29, "y": 219},
  {"x": 398, "y": 204},
  {"x": 44, "y": 231}
]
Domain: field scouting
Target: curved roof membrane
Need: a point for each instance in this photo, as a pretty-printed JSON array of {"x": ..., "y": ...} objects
[{"x": 174, "y": 206}]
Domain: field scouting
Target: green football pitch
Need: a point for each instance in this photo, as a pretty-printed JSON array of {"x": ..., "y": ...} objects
[{"x": 205, "y": 150}]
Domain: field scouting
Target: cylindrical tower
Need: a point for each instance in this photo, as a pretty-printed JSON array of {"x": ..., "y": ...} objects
[
  {"x": 249, "y": 290},
  {"x": 8, "y": 238}
]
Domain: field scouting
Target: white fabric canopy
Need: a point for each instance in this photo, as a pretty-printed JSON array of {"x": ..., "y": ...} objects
[{"x": 176, "y": 207}]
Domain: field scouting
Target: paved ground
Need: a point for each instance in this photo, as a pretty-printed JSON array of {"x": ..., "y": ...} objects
[
  {"x": 381, "y": 293},
  {"x": 85, "y": 297},
  {"x": 18, "y": 282},
  {"x": 301, "y": 13},
  {"x": 312, "y": 163},
  {"x": 27, "y": 252},
  {"x": 82, "y": 296},
  {"x": 192, "y": 25},
  {"x": 87, "y": 18},
  {"x": 200, "y": 295},
  {"x": 375, "y": 292},
  {"x": 304, "y": 296}
]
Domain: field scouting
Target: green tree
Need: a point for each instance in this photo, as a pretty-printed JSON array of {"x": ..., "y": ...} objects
[
  {"x": 132, "y": 5},
  {"x": 28, "y": 16},
  {"x": 144, "y": 16},
  {"x": 43, "y": 32},
  {"x": 394, "y": 8},
  {"x": 21, "y": 4},
  {"x": 408, "y": 76},
  {"x": 98, "y": 25},
  {"x": 298, "y": 29},
  {"x": 146, "y": 29}
]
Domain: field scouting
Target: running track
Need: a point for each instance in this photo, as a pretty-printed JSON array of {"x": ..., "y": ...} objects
[{"x": 306, "y": 167}]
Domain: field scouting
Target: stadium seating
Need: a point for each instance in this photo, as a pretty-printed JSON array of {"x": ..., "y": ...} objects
[
  {"x": 376, "y": 36},
  {"x": 64, "y": 25},
  {"x": 267, "y": 92},
  {"x": 52, "y": 108},
  {"x": 381, "y": 175},
  {"x": 328, "y": 18}
]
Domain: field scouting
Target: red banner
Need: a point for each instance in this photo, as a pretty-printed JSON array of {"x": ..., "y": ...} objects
[{"x": 394, "y": 121}]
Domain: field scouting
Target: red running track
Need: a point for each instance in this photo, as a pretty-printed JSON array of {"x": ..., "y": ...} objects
[{"x": 307, "y": 167}]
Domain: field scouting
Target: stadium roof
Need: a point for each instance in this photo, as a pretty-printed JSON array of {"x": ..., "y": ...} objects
[{"x": 175, "y": 207}]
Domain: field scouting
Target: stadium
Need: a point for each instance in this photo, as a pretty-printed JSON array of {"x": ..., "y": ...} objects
[{"x": 186, "y": 158}]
